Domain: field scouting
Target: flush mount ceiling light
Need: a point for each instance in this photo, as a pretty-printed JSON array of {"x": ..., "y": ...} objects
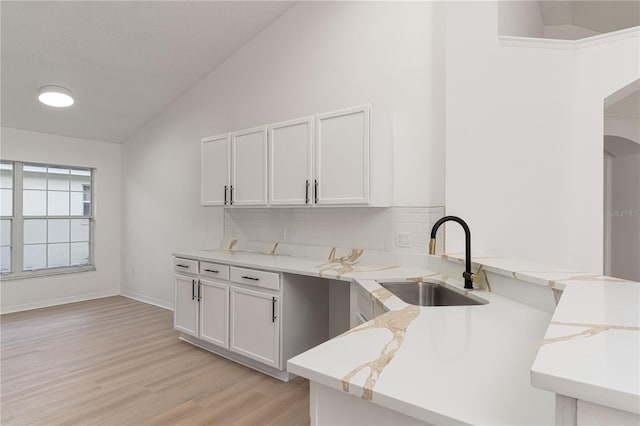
[{"x": 55, "y": 96}]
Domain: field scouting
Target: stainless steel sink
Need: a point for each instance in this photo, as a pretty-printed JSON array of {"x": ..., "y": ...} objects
[{"x": 432, "y": 293}]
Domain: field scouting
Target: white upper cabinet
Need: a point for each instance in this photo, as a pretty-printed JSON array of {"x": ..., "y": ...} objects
[
  {"x": 215, "y": 167},
  {"x": 249, "y": 167},
  {"x": 290, "y": 162},
  {"x": 322, "y": 160},
  {"x": 342, "y": 157}
]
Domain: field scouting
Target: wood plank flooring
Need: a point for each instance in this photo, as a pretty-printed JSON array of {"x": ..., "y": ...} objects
[{"x": 116, "y": 361}]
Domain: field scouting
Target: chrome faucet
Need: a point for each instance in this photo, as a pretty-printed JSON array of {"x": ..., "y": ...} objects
[{"x": 469, "y": 277}]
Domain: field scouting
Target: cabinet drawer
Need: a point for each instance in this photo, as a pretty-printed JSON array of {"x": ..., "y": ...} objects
[
  {"x": 214, "y": 270},
  {"x": 256, "y": 278},
  {"x": 185, "y": 266}
]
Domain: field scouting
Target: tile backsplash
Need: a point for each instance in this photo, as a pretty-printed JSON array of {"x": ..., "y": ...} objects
[{"x": 368, "y": 228}]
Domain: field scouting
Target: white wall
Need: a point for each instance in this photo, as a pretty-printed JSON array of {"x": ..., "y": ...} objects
[
  {"x": 628, "y": 128},
  {"x": 21, "y": 145},
  {"x": 600, "y": 70},
  {"x": 319, "y": 56},
  {"x": 520, "y": 18},
  {"x": 524, "y": 140}
]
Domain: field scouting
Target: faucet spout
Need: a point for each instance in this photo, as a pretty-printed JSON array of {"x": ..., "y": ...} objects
[{"x": 468, "y": 276}]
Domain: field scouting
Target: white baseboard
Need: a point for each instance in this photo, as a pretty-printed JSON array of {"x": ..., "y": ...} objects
[
  {"x": 58, "y": 301},
  {"x": 146, "y": 299}
]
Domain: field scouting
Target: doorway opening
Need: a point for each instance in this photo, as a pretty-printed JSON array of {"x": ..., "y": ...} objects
[{"x": 622, "y": 183}]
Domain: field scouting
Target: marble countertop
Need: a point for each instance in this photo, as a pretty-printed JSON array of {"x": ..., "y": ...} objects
[
  {"x": 472, "y": 364},
  {"x": 343, "y": 266},
  {"x": 532, "y": 272},
  {"x": 591, "y": 349},
  {"x": 442, "y": 365}
]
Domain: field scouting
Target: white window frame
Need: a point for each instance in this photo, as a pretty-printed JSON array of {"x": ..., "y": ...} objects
[
  {"x": 17, "y": 227},
  {"x": 11, "y": 218}
]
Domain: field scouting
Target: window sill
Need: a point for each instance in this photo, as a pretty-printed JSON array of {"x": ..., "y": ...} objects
[{"x": 46, "y": 272}]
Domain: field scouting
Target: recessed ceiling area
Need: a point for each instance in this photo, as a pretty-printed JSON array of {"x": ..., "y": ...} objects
[
  {"x": 124, "y": 62},
  {"x": 567, "y": 19}
]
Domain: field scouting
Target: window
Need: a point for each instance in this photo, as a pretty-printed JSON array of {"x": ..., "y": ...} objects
[{"x": 49, "y": 226}]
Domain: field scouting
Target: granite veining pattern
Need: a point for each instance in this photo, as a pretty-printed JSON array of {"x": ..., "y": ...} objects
[
  {"x": 347, "y": 264},
  {"x": 396, "y": 322}
]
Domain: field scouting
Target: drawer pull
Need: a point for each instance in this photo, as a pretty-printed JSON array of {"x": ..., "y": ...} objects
[
  {"x": 250, "y": 278},
  {"x": 182, "y": 266},
  {"x": 212, "y": 270}
]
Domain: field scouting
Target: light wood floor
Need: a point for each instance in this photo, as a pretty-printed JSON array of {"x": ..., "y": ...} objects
[{"x": 118, "y": 361}]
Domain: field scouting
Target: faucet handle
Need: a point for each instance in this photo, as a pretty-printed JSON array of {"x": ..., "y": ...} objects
[{"x": 476, "y": 277}]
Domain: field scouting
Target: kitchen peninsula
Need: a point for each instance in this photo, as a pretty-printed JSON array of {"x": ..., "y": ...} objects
[{"x": 458, "y": 364}]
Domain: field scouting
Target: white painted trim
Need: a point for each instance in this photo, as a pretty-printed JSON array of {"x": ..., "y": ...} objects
[
  {"x": 552, "y": 43},
  {"x": 146, "y": 299},
  {"x": 58, "y": 301},
  {"x": 535, "y": 42},
  {"x": 608, "y": 169}
]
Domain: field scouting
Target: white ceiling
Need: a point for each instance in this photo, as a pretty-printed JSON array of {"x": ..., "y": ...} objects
[
  {"x": 124, "y": 61},
  {"x": 598, "y": 15}
]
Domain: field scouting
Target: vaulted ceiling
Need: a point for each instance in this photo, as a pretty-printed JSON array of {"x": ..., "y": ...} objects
[{"x": 124, "y": 62}]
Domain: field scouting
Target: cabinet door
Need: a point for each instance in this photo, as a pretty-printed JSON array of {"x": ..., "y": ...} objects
[
  {"x": 214, "y": 313},
  {"x": 185, "y": 312},
  {"x": 249, "y": 167},
  {"x": 215, "y": 162},
  {"x": 342, "y": 157},
  {"x": 255, "y": 325},
  {"x": 290, "y": 152}
]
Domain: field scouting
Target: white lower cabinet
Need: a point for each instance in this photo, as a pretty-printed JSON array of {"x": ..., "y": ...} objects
[
  {"x": 214, "y": 312},
  {"x": 255, "y": 325},
  {"x": 257, "y": 318},
  {"x": 185, "y": 318}
]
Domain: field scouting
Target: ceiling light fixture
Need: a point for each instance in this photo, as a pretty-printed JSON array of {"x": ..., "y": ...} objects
[{"x": 55, "y": 96}]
